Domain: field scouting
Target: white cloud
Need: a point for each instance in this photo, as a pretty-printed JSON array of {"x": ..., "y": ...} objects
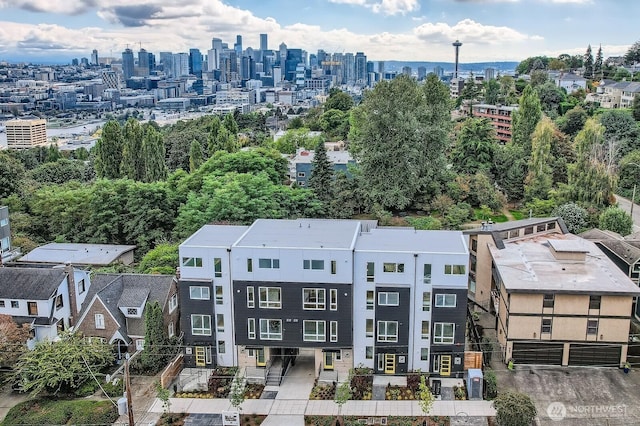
[
  {"x": 469, "y": 31},
  {"x": 386, "y": 7}
]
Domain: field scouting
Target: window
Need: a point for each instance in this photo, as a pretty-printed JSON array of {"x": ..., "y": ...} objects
[
  {"x": 369, "y": 328},
  {"x": 334, "y": 267},
  {"x": 15, "y": 304},
  {"x": 313, "y": 299},
  {"x": 333, "y": 332},
  {"x": 269, "y": 263},
  {"x": 173, "y": 302},
  {"x": 427, "y": 273},
  {"x": 594, "y": 302},
  {"x": 540, "y": 228},
  {"x": 592, "y": 327},
  {"x": 387, "y": 331},
  {"x": 251, "y": 297},
  {"x": 195, "y": 262},
  {"x": 514, "y": 234},
  {"x": 551, "y": 225},
  {"x": 443, "y": 332},
  {"x": 207, "y": 356},
  {"x": 426, "y": 301},
  {"x": 528, "y": 230},
  {"x": 4, "y": 222},
  {"x": 388, "y": 298},
  {"x": 314, "y": 331},
  {"x": 219, "y": 295},
  {"x": 251, "y": 353},
  {"x": 370, "y": 272},
  {"x": 201, "y": 325},
  {"x": 1, "y": 303},
  {"x": 217, "y": 267},
  {"x": 474, "y": 244},
  {"x": 445, "y": 300},
  {"x": 199, "y": 293},
  {"x": 249, "y": 265},
  {"x": 370, "y": 299},
  {"x": 424, "y": 354},
  {"x": 333, "y": 299},
  {"x": 313, "y": 264},
  {"x": 171, "y": 330},
  {"x": 546, "y": 325},
  {"x": 270, "y": 329},
  {"x": 139, "y": 344},
  {"x": 99, "y": 319},
  {"x": 32, "y": 308},
  {"x": 251, "y": 328},
  {"x": 425, "y": 329},
  {"x": 301, "y": 174},
  {"x": 220, "y": 323},
  {"x": 59, "y": 302},
  {"x": 454, "y": 269},
  {"x": 81, "y": 287},
  {"x": 222, "y": 347},
  {"x": 270, "y": 297},
  {"x": 368, "y": 352},
  {"x": 393, "y": 267},
  {"x": 547, "y": 301}
]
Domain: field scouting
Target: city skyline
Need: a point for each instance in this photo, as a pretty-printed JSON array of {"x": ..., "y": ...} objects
[{"x": 406, "y": 30}]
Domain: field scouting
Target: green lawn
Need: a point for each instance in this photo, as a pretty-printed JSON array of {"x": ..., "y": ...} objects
[
  {"x": 61, "y": 412},
  {"x": 496, "y": 218},
  {"x": 517, "y": 214}
]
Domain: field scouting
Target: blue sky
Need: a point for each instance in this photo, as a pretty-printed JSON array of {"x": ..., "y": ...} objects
[{"x": 411, "y": 30}]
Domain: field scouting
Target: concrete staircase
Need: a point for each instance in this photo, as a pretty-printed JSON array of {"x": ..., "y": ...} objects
[{"x": 275, "y": 373}]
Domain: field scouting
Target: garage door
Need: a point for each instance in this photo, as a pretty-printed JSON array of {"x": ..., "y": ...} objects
[
  {"x": 597, "y": 355},
  {"x": 538, "y": 353}
]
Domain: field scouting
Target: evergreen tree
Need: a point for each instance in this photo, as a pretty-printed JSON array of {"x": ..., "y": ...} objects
[
  {"x": 53, "y": 153},
  {"x": 636, "y": 108},
  {"x": 491, "y": 92},
  {"x": 132, "y": 165},
  {"x": 230, "y": 124},
  {"x": 109, "y": 151},
  {"x": 156, "y": 341},
  {"x": 588, "y": 64},
  {"x": 153, "y": 159},
  {"x": 597, "y": 65},
  {"x": 322, "y": 175},
  {"x": 195, "y": 156},
  {"x": 633, "y": 54},
  {"x": 509, "y": 168},
  {"x": 539, "y": 180},
  {"x": 214, "y": 128},
  {"x": 474, "y": 147},
  {"x": 525, "y": 119}
]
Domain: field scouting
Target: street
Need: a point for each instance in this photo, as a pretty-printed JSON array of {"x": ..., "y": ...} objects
[{"x": 625, "y": 204}]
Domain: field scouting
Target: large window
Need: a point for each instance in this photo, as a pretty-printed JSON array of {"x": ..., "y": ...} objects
[
  {"x": 443, "y": 332},
  {"x": 270, "y": 329},
  {"x": 425, "y": 329},
  {"x": 594, "y": 302},
  {"x": 369, "y": 328},
  {"x": 546, "y": 325},
  {"x": 314, "y": 331},
  {"x": 388, "y": 298},
  {"x": 251, "y": 298},
  {"x": 387, "y": 331},
  {"x": 334, "y": 331},
  {"x": 270, "y": 297},
  {"x": 445, "y": 300},
  {"x": 454, "y": 269},
  {"x": 99, "y": 319},
  {"x": 333, "y": 299},
  {"x": 426, "y": 301},
  {"x": 199, "y": 293},
  {"x": 173, "y": 302},
  {"x": 427, "y": 273},
  {"x": 547, "y": 301},
  {"x": 313, "y": 299},
  {"x": 195, "y": 262},
  {"x": 393, "y": 267},
  {"x": 371, "y": 268},
  {"x": 269, "y": 263},
  {"x": 313, "y": 264},
  {"x": 251, "y": 328},
  {"x": 200, "y": 325},
  {"x": 217, "y": 267}
]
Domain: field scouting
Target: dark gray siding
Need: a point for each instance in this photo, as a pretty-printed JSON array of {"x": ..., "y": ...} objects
[
  {"x": 457, "y": 316},
  {"x": 400, "y": 314},
  {"x": 189, "y": 306},
  {"x": 292, "y": 314}
]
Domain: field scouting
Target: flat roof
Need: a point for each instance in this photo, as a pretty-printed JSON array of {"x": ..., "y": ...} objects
[
  {"x": 78, "y": 254},
  {"x": 413, "y": 241},
  {"x": 528, "y": 266},
  {"x": 568, "y": 246},
  {"x": 222, "y": 236},
  {"x": 301, "y": 233}
]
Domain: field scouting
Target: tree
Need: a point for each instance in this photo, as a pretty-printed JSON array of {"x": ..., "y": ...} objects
[
  {"x": 399, "y": 134},
  {"x": 510, "y": 167},
  {"x": 551, "y": 97},
  {"x": 11, "y": 175},
  {"x": 514, "y": 409},
  {"x": 629, "y": 174},
  {"x": 195, "y": 156},
  {"x": 153, "y": 152},
  {"x": 162, "y": 259},
  {"x": 597, "y": 65},
  {"x": 338, "y": 100},
  {"x": 321, "y": 175},
  {"x": 335, "y": 123},
  {"x": 109, "y": 151},
  {"x": 574, "y": 216},
  {"x": 425, "y": 397},
  {"x": 633, "y": 54},
  {"x": 538, "y": 182},
  {"x": 236, "y": 393},
  {"x": 475, "y": 146},
  {"x": 40, "y": 369},
  {"x": 621, "y": 133},
  {"x": 132, "y": 165},
  {"x": 470, "y": 92},
  {"x": 13, "y": 340},
  {"x": 573, "y": 121},
  {"x": 230, "y": 124},
  {"x": 492, "y": 92},
  {"x": 539, "y": 77},
  {"x": 635, "y": 109},
  {"x": 156, "y": 342},
  {"x": 588, "y": 64},
  {"x": 617, "y": 220},
  {"x": 525, "y": 119}
]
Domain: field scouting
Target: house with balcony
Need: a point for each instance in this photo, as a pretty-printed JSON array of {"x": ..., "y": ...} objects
[{"x": 500, "y": 117}]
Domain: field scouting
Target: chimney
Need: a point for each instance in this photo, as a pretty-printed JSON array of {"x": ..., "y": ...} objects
[
  {"x": 490, "y": 225},
  {"x": 71, "y": 286}
]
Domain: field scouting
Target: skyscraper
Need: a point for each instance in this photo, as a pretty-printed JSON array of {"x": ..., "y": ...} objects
[
  {"x": 238, "y": 46},
  {"x": 180, "y": 64},
  {"x": 361, "y": 68},
  {"x": 195, "y": 62},
  {"x": 166, "y": 60},
  {"x": 422, "y": 73},
  {"x": 263, "y": 42},
  {"x": 127, "y": 63},
  {"x": 143, "y": 63},
  {"x": 94, "y": 57}
]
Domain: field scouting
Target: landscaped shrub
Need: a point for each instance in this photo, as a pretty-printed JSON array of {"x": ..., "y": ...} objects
[
  {"x": 61, "y": 412},
  {"x": 361, "y": 383},
  {"x": 220, "y": 381},
  {"x": 490, "y": 384}
]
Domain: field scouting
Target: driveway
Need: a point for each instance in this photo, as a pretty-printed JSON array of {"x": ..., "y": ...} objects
[{"x": 577, "y": 396}]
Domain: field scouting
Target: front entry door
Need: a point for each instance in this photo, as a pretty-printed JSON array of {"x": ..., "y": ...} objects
[
  {"x": 328, "y": 360},
  {"x": 389, "y": 363},
  {"x": 445, "y": 365},
  {"x": 260, "y": 359},
  {"x": 200, "y": 356}
]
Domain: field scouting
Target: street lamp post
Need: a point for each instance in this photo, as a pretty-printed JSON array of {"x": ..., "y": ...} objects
[{"x": 633, "y": 194}]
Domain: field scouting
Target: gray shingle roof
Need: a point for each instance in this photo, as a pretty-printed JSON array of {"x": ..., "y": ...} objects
[{"x": 29, "y": 283}]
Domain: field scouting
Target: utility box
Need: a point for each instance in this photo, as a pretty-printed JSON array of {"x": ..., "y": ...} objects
[
  {"x": 122, "y": 406},
  {"x": 474, "y": 384}
]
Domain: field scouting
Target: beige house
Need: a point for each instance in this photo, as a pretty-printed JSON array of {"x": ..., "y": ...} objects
[{"x": 560, "y": 301}]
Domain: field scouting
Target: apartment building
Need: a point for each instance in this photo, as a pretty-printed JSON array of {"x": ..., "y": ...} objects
[
  {"x": 341, "y": 291},
  {"x": 500, "y": 117},
  {"x": 26, "y": 133},
  {"x": 561, "y": 301}
]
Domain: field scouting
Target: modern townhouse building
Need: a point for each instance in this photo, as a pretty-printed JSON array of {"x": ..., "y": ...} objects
[{"x": 340, "y": 291}]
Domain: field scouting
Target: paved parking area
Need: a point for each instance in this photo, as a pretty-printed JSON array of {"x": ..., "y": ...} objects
[{"x": 578, "y": 396}]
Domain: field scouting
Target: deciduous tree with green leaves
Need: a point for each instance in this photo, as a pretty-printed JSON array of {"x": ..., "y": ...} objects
[
  {"x": 195, "y": 156},
  {"x": 132, "y": 165},
  {"x": 525, "y": 119},
  {"x": 617, "y": 220},
  {"x": 109, "y": 151},
  {"x": 539, "y": 179},
  {"x": 514, "y": 409},
  {"x": 154, "y": 153}
]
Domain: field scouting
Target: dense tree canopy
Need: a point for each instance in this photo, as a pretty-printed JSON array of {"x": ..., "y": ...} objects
[{"x": 475, "y": 146}]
